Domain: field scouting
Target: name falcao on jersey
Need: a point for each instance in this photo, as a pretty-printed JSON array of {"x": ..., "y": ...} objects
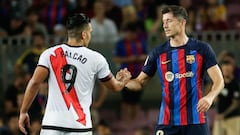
[{"x": 75, "y": 56}]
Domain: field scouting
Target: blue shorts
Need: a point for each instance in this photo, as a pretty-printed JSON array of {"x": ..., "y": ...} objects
[{"x": 193, "y": 129}]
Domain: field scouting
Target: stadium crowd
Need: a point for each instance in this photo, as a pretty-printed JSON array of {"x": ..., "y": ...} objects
[{"x": 112, "y": 22}]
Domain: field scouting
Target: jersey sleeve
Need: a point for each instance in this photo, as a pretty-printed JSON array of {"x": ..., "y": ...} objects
[
  {"x": 150, "y": 65},
  {"x": 104, "y": 73},
  {"x": 209, "y": 57},
  {"x": 44, "y": 59}
]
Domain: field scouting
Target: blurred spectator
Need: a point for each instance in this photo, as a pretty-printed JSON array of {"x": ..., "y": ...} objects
[
  {"x": 3, "y": 126},
  {"x": 187, "y": 4},
  {"x": 5, "y": 9},
  {"x": 12, "y": 125},
  {"x": 16, "y": 25},
  {"x": 3, "y": 33},
  {"x": 11, "y": 102},
  {"x": 228, "y": 104},
  {"x": 35, "y": 126},
  {"x": 140, "y": 9},
  {"x": 33, "y": 24},
  {"x": 59, "y": 30},
  {"x": 103, "y": 128},
  {"x": 30, "y": 57},
  {"x": 53, "y": 12},
  {"x": 213, "y": 16},
  {"x": 141, "y": 131},
  {"x": 130, "y": 16},
  {"x": 229, "y": 56},
  {"x": 113, "y": 12},
  {"x": 130, "y": 52},
  {"x": 122, "y": 3},
  {"x": 154, "y": 25},
  {"x": 84, "y": 6},
  {"x": 104, "y": 30},
  {"x": 233, "y": 14}
]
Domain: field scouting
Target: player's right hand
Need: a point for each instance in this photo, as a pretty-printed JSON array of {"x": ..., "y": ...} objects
[
  {"x": 123, "y": 75},
  {"x": 24, "y": 123}
]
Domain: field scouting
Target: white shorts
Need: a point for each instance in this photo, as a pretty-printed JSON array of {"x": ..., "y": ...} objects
[{"x": 57, "y": 132}]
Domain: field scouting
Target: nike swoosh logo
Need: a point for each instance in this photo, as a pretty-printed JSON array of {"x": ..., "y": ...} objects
[{"x": 165, "y": 62}]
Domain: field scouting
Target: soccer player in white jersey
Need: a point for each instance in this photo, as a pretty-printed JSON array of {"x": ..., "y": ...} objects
[{"x": 71, "y": 69}]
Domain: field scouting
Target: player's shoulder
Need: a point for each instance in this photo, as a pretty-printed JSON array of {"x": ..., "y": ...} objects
[
  {"x": 198, "y": 43},
  {"x": 163, "y": 47}
]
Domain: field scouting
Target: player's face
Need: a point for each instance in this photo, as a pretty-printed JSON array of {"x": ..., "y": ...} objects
[
  {"x": 172, "y": 25},
  {"x": 88, "y": 36}
]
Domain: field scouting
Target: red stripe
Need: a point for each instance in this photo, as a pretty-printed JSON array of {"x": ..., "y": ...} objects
[
  {"x": 58, "y": 62},
  {"x": 54, "y": 13},
  {"x": 139, "y": 52},
  {"x": 199, "y": 83},
  {"x": 129, "y": 53},
  {"x": 183, "y": 91},
  {"x": 166, "y": 118}
]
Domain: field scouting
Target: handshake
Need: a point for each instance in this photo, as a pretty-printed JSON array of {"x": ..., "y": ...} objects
[{"x": 123, "y": 76}]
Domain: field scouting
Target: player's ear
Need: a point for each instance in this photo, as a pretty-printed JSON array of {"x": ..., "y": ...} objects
[{"x": 84, "y": 34}]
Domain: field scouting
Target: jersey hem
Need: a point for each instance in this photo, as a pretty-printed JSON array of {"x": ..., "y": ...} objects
[{"x": 67, "y": 129}]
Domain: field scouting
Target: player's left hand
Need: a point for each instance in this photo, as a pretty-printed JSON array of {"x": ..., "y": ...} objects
[{"x": 204, "y": 104}]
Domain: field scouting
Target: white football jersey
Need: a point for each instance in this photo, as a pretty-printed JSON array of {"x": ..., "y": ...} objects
[{"x": 72, "y": 74}]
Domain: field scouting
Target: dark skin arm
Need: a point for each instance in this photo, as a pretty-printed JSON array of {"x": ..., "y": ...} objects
[{"x": 32, "y": 89}]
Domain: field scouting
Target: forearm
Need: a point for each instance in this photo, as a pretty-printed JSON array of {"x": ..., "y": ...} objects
[
  {"x": 30, "y": 94},
  {"x": 134, "y": 85},
  {"x": 218, "y": 82},
  {"x": 215, "y": 89}
]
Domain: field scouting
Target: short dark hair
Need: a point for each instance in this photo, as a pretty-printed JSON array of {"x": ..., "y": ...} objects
[
  {"x": 77, "y": 23},
  {"x": 38, "y": 33},
  {"x": 177, "y": 11}
]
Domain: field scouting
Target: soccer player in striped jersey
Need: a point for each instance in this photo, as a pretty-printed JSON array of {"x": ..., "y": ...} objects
[
  {"x": 181, "y": 63},
  {"x": 71, "y": 70}
]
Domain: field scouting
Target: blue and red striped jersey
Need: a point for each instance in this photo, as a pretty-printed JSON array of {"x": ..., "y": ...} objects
[
  {"x": 126, "y": 48},
  {"x": 181, "y": 71}
]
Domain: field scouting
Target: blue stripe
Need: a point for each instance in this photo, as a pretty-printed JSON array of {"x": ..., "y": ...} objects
[
  {"x": 49, "y": 15},
  {"x": 194, "y": 90},
  {"x": 176, "y": 87},
  {"x": 163, "y": 104}
]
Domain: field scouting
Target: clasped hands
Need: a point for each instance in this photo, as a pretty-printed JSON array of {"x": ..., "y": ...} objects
[{"x": 123, "y": 76}]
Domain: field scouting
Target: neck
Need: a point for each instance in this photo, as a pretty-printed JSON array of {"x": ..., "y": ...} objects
[
  {"x": 178, "y": 40},
  {"x": 74, "y": 42}
]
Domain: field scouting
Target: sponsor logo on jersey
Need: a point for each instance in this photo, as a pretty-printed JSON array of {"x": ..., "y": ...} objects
[{"x": 169, "y": 76}]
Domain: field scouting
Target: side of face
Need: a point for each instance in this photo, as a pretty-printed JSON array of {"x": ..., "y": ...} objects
[
  {"x": 172, "y": 25},
  {"x": 227, "y": 69},
  {"x": 38, "y": 41}
]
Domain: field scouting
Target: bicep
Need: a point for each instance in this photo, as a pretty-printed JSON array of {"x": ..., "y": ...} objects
[{"x": 40, "y": 74}]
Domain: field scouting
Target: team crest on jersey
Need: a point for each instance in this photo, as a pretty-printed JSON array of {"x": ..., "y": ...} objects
[{"x": 190, "y": 59}]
